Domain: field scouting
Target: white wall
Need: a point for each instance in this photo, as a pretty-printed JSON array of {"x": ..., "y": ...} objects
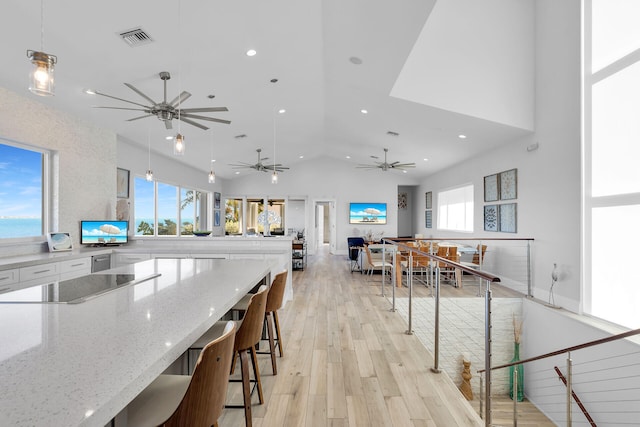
[
  {"x": 549, "y": 183},
  {"x": 85, "y": 156},
  {"x": 405, "y": 216}
]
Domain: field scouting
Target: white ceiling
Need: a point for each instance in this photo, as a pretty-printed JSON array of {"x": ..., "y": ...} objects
[{"x": 305, "y": 44}]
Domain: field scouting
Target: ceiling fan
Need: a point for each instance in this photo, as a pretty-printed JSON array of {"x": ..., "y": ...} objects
[
  {"x": 166, "y": 111},
  {"x": 385, "y": 166},
  {"x": 260, "y": 167}
]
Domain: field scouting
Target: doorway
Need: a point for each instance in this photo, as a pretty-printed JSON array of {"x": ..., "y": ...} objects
[{"x": 324, "y": 225}]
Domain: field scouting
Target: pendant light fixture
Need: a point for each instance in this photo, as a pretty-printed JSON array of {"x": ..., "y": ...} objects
[
  {"x": 178, "y": 142},
  {"x": 41, "y": 81},
  {"x": 149, "y": 175},
  {"x": 212, "y": 174}
]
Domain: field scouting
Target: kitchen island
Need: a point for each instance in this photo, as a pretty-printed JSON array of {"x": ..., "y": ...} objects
[{"x": 80, "y": 364}]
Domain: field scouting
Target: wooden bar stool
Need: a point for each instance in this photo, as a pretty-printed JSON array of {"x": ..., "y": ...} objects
[
  {"x": 248, "y": 334},
  {"x": 274, "y": 303},
  {"x": 182, "y": 400}
]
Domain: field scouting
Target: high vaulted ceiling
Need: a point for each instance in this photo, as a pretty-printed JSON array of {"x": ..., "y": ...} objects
[{"x": 429, "y": 72}]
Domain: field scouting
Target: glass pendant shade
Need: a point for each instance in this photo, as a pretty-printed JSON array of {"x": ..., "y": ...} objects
[
  {"x": 149, "y": 175},
  {"x": 41, "y": 77},
  {"x": 212, "y": 177},
  {"x": 274, "y": 177},
  {"x": 178, "y": 145}
]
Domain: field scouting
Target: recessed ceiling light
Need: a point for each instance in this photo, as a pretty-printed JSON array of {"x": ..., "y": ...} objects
[
  {"x": 251, "y": 52},
  {"x": 348, "y": 157},
  {"x": 90, "y": 91},
  {"x": 237, "y": 172},
  {"x": 461, "y": 136},
  {"x": 425, "y": 159},
  {"x": 355, "y": 60},
  {"x": 363, "y": 111},
  {"x": 282, "y": 111},
  {"x": 213, "y": 160},
  {"x": 404, "y": 171},
  {"x": 169, "y": 137},
  {"x": 301, "y": 157}
]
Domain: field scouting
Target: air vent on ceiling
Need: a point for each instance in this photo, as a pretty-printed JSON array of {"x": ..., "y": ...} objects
[
  {"x": 392, "y": 133},
  {"x": 136, "y": 37}
]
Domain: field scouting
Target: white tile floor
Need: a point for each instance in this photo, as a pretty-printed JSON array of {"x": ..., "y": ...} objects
[{"x": 462, "y": 334}]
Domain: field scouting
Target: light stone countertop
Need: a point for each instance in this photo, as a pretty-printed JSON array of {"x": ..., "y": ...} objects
[{"x": 80, "y": 364}]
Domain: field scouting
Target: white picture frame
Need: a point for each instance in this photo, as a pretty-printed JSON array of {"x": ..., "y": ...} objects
[{"x": 59, "y": 242}]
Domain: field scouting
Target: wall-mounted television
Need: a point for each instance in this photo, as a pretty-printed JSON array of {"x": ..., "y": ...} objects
[
  {"x": 367, "y": 213},
  {"x": 104, "y": 232}
]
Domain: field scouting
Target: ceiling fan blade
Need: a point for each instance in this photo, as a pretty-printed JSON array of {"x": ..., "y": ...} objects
[
  {"x": 204, "y": 110},
  {"x": 192, "y": 123},
  {"x": 404, "y": 165},
  {"x": 367, "y": 167},
  {"x": 241, "y": 165},
  {"x": 211, "y": 119},
  {"x": 136, "y": 90},
  {"x": 141, "y": 117},
  {"x": 168, "y": 124},
  {"x": 120, "y": 99},
  {"x": 180, "y": 99},
  {"x": 123, "y": 108}
]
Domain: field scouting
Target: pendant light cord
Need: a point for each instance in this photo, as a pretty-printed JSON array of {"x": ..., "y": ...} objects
[{"x": 42, "y": 25}]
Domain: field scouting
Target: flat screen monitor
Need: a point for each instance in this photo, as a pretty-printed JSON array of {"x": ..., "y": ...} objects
[
  {"x": 367, "y": 213},
  {"x": 104, "y": 232}
]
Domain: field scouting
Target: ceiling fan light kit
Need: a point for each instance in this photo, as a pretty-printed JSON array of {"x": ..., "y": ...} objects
[
  {"x": 41, "y": 81},
  {"x": 178, "y": 145},
  {"x": 260, "y": 166}
]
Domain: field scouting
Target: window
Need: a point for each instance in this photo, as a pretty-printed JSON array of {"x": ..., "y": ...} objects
[
  {"x": 23, "y": 186},
  {"x": 254, "y": 208},
  {"x": 233, "y": 216},
  {"x": 611, "y": 185},
  {"x": 455, "y": 209},
  {"x": 162, "y": 207}
]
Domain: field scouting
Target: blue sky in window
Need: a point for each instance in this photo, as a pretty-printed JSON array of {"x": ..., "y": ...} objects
[{"x": 20, "y": 182}]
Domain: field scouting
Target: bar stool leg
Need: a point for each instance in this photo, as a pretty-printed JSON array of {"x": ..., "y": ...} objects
[
  {"x": 272, "y": 346},
  {"x": 278, "y": 335},
  {"x": 246, "y": 389},
  {"x": 256, "y": 373}
]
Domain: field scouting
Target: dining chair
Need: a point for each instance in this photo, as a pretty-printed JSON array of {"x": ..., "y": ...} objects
[
  {"x": 453, "y": 274},
  {"x": 275, "y": 298},
  {"x": 248, "y": 334},
  {"x": 376, "y": 264},
  {"x": 183, "y": 400}
]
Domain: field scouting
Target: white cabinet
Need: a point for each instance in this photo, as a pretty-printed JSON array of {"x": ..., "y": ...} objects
[
  {"x": 36, "y": 272},
  {"x": 74, "y": 268},
  {"x": 8, "y": 277},
  {"x": 125, "y": 258}
]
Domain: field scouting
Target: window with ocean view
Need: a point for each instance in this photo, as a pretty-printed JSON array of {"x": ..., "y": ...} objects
[
  {"x": 163, "y": 209},
  {"x": 21, "y": 191}
]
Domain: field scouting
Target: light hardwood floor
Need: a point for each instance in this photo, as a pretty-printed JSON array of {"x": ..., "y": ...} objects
[{"x": 348, "y": 361}]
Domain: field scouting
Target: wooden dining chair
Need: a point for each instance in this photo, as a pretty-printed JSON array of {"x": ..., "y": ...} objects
[{"x": 182, "y": 400}]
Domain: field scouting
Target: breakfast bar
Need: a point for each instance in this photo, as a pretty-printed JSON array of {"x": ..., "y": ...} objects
[{"x": 79, "y": 364}]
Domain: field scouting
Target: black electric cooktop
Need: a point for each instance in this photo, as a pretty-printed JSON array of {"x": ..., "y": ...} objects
[{"x": 73, "y": 291}]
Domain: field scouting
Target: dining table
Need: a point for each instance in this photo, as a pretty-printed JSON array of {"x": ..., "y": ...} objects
[{"x": 80, "y": 362}]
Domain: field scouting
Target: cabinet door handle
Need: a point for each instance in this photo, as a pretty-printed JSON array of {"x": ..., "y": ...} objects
[
  {"x": 5, "y": 277},
  {"x": 77, "y": 265},
  {"x": 41, "y": 271}
]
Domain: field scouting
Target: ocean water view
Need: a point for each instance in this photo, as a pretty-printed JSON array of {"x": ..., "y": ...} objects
[{"x": 20, "y": 227}]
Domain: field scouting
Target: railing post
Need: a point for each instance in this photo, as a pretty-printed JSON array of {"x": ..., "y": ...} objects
[
  {"x": 515, "y": 396},
  {"x": 410, "y": 285},
  {"x": 487, "y": 354},
  {"x": 569, "y": 388},
  {"x": 529, "y": 284},
  {"x": 436, "y": 338},
  {"x": 480, "y": 399},
  {"x": 384, "y": 267},
  {"x": 393, "y": 281}
]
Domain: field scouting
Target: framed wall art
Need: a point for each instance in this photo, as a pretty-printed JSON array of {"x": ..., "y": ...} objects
[
  {"x": 428, "y": 200},
  {"x": 428, "y": 219},
  {"x": 122, "y": 184},
  {"x": 402, "y": 201},
  {"x": 216, "y": 218},
  {"x": 216, "y": 200},
  {"x": 509, "y": 184},
  {"x": 508, "y": 217},
  {"x": 491, "y": 218},
  {"x": 491, "y": 188}
]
